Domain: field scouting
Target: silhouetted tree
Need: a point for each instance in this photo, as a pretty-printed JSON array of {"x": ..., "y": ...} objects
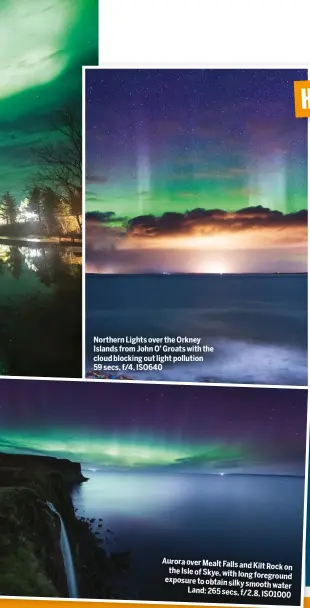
[
  {"x": 50, "y": 203},
  {"x": 15, "y": 262},
  {"x": 8, "y": 208},
  {"x": 75, "y": 202},
  {"x": 36, "y": 204},
  {"x": 61, "y": 163}
]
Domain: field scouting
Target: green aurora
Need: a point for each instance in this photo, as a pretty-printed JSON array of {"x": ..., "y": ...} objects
[
  {"x": 123, "y": 450},
  {"x": 170, "y": 141},
  {"x": 156, "y": 427},
  {"x": 44, "y": 46}
]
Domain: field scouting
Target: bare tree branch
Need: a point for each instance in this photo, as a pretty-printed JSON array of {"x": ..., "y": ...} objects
[{"x": 62, "y": 162}]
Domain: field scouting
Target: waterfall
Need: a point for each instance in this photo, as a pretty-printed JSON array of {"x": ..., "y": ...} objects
[{"x": 67, "y": 555}]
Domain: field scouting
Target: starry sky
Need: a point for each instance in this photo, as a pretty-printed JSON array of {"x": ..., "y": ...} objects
[
  {"x": 182, "y": 164},
  {"x": 44, "y": 45},
  {"x": 185, "y": 428}
]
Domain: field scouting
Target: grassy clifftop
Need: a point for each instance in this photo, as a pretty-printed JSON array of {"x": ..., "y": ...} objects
[
  {"x": 31, "y": 562},
  {"x": 30, "y": 555},
  {"x": 28, "y": 464}
]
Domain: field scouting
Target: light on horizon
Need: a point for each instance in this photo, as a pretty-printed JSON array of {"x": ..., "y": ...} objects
[{"x": 214, "y": 268}]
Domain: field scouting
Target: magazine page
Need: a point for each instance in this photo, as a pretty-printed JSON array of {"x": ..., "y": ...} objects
[{"x": 154, "y": 428}]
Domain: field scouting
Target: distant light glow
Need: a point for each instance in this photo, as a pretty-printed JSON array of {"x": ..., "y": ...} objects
[
  {"x": 24, "y": 214},
  {"x": 4, "y": 253},
  {"x": 27, "y": 216},
  {"x": 214, "y": 268}
]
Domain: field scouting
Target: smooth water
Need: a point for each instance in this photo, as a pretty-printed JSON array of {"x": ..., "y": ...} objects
[
  {"x": 193, "y": 516},
  {"x": 34, "y": 269},
  {"x": 257, "y": 324},
  {"x": 67, "y": 556},
  {"x": 40, "y": 313}
]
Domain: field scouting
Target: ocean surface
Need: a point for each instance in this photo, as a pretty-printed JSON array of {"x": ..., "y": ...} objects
[
  {"x": 193, "y": 516},
  {"x": 257, "y": 324}
]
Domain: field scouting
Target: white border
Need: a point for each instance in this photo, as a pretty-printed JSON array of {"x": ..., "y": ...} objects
[
  {"x": 224, "y": 30},
  {"x": 146, "y": 602},
  {"x": 198, "y": 66},
  {"x": 306, "y": 488},
  {"x": 83, "y": 321},
  {"x": 167, "y": 383}
]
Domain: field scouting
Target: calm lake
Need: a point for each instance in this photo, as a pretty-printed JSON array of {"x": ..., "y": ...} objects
[
  {"x": 40, "y": 309},
  {"x": 193, "y": 516}
]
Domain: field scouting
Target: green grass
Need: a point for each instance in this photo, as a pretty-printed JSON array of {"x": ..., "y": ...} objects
[
  {"x": 21, "y": 573},
  {"x": 23, "y": 569}
]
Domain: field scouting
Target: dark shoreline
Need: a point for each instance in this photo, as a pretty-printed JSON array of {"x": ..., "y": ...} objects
[
  {"x": 31, "y": 562},
  {"x": 37, "y": 242}
]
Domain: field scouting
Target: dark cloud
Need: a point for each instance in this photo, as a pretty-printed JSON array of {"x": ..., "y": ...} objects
[
  {"x": 255, "y": 239},
  {"x": 93, "y": 178},
  {"x": 102, "y": 234},
  {"x": 199, "y": 222},
  {"x": 92, "y": 198},
  {"x": 210, "y": 221},
  {"x": 108, "y": 217}
]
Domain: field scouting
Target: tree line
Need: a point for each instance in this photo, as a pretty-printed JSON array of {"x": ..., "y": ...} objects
[
  {"x": 55, "y": 191},
  {"x": 52, "y": 214}
]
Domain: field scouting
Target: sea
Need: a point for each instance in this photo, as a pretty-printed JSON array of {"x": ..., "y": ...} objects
[
  {"x": 255, "y": 324},
  {"x": 176, "y": 515}
]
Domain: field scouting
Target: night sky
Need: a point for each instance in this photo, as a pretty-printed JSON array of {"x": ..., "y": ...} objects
[
  {"x": 44, "y": 45},
  {"x": 170, "y": 142},
  {"x": 191, "y": 428}
]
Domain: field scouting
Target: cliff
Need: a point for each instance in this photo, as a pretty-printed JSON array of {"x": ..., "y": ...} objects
[
  {"x": 31, "y": 560},
  {"x": 70, "y": 471}
]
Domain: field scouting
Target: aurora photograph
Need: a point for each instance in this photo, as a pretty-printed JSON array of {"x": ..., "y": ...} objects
[
  {"x": 194, "y": 472},
  {"x": 195, "y": 171},
  {"x": 40, "y": 183},
  {"x": 196, "y": 220}
]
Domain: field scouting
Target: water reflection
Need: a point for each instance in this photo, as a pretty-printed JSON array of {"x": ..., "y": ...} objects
[
  {"x": 40, "y": 310},
  {"x": 49, "y": 263}
]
